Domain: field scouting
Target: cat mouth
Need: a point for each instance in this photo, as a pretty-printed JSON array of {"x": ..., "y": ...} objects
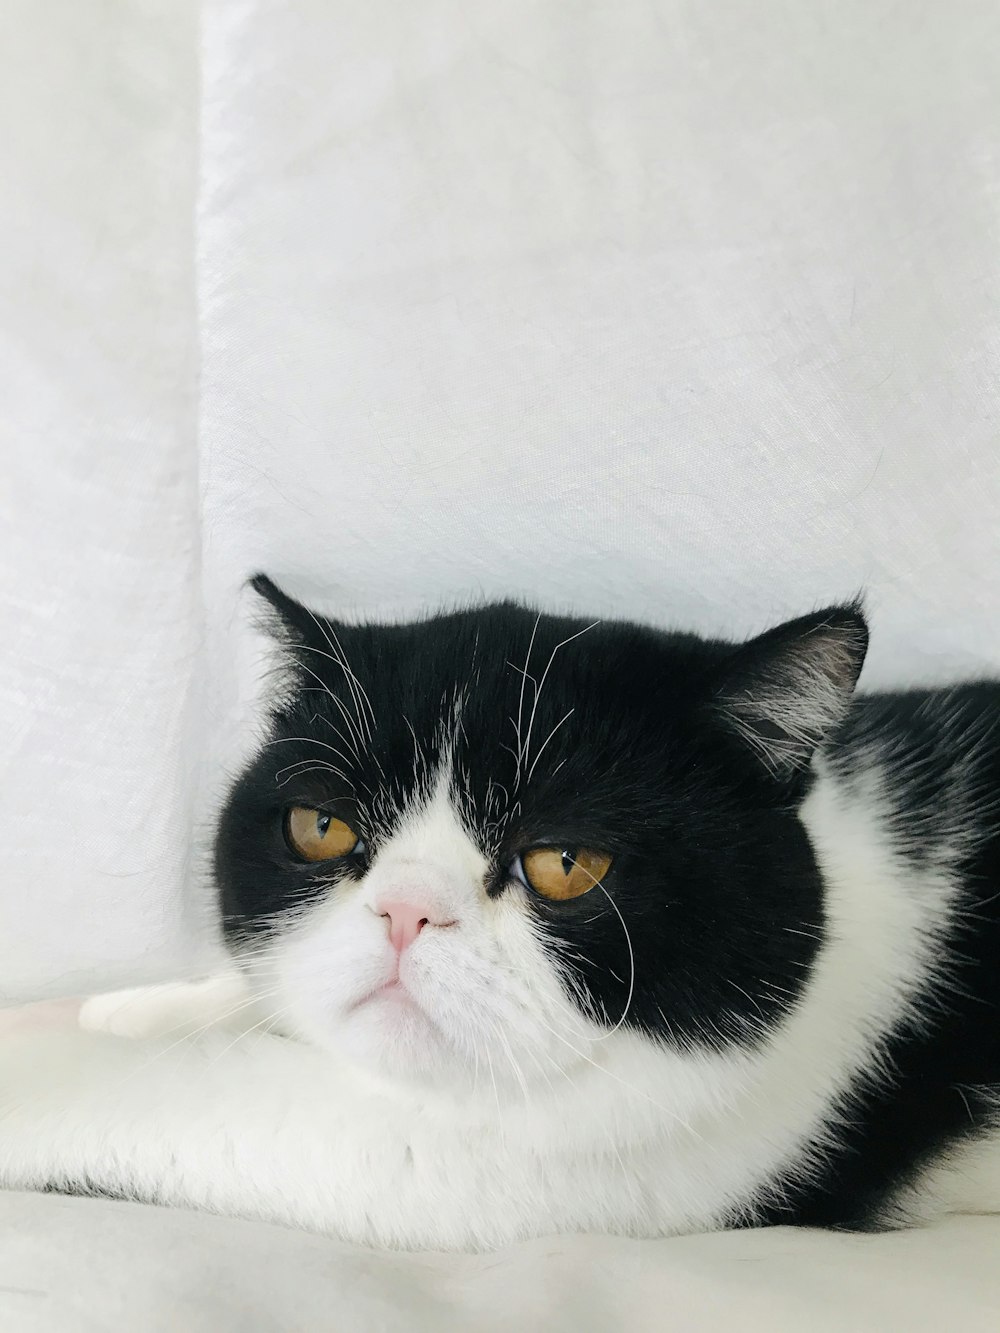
[
  {"x": 391, "y": 992},
  {"x": 397, "y": 1007}
]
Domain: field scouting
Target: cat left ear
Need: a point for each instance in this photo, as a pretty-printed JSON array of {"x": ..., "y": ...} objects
[{"x": 786, "y": 691}]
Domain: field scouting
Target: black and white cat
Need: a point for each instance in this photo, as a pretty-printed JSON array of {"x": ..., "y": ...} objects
[{"x": 545, "y": 926}]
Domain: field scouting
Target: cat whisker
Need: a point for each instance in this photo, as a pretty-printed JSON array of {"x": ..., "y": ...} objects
[
  {"x": 358, "y": 691},
  {"x": 345, "y": 777},
  {"x": 268, "y": 1020},
  {"x": 360, "y": 721},
  {"x": 541, "y": 748},
  {"x": 541, "y": 684},
  {"x": 310, "y": 766},
  {"x": 215, "y": 1021},
  {"x": 355, "y": 723},
  {"x": 520, "y": 701},
  {"x": 631, "y": 952},
  {"x": 330, "y": 695},
  {"x": 518, "y": 1073},
  {"x": 638, "y": 1092},
  {"x": 417, "y": 751},
  {"x": 541, "y": 1068},
  {"x": 360, "y": 741},
  {"x": 345, "y": 740},
  {"x": 515, "y": 755},
  {"x": 307, "y": 740},
  {"x": 475, "y": 1073},
  {"x": 496, "y": 1095},
  {"x": 747, "y": 996}
]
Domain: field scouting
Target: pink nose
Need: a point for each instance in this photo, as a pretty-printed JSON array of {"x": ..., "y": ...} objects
[{"x": 407, "y": 920}]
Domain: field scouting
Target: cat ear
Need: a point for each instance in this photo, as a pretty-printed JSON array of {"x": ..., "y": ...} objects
[
  {"x": 784, "y": 692},
  {"x": 291, "y": 622}
]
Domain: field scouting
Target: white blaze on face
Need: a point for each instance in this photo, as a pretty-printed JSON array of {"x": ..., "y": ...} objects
[{"x": 415, "y": 970}]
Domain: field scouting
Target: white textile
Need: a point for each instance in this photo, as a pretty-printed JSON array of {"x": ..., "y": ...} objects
[{"x": 92, "y": 1266}]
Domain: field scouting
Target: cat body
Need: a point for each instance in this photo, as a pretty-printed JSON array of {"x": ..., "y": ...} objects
[{"x": 543, "y": 926}]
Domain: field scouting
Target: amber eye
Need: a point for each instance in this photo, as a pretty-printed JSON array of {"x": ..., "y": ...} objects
[
  {"x": 316, "y": 836},
  {"x": 559, "y": 874}
]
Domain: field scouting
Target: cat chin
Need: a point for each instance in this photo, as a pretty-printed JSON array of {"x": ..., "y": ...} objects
[{"x": 389, "y": 1034}]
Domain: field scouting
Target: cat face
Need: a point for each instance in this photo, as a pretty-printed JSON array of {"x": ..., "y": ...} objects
[{"x": 478, "y": 846}]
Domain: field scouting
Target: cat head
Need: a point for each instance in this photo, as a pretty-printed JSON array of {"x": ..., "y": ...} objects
[{"x": 479, "y": 845}]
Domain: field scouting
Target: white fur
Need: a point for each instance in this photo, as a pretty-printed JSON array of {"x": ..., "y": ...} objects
[{"x": 483, "y": 1109}]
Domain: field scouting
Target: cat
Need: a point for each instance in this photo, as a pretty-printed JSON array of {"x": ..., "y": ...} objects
[{"x": 546, "y": 925}]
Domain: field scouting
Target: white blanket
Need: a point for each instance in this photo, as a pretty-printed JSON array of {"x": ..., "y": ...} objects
[{"x": 89, "y": 1266}]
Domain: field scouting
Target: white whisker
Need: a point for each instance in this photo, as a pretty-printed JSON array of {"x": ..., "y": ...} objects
[
  {"x": 541, "y": 748},
  {"x": 520, "y": 701},
  {"x": 541, "y": 684},
  {"x": 358, "y": 692},
  {"x": 330, "y": 694},
  {"x": 268, "y": 1019},
  {"x": 631, "y": 961}
]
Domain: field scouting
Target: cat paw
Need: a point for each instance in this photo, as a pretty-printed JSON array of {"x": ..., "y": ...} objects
[
  {"x": 143, "y": 1011},
  {"x": 176, "y": 1010}
]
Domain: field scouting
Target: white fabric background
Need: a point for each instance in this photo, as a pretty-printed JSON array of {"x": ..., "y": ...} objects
[{"x": 678, "y": 310}]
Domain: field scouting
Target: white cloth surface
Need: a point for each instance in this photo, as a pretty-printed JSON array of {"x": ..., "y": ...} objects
[{"x": 93, "y": 1266}]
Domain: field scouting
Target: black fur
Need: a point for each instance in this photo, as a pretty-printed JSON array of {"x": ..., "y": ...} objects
[{"x": 653, "y": 751}]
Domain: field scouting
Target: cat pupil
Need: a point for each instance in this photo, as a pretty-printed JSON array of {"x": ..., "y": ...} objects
[
  {"x": 322, "y": 824},
  {"x": 568, "y": 861}
]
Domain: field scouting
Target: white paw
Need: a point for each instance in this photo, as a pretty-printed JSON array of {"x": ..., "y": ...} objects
[
  {"x": 142, "y": 1012},
  {"x": 159, "y": 1011}
]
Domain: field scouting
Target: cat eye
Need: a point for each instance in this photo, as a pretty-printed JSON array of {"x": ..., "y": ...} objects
[
  {"x": 317, "y": 836},
  {"x": 560, "y": 874}
]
